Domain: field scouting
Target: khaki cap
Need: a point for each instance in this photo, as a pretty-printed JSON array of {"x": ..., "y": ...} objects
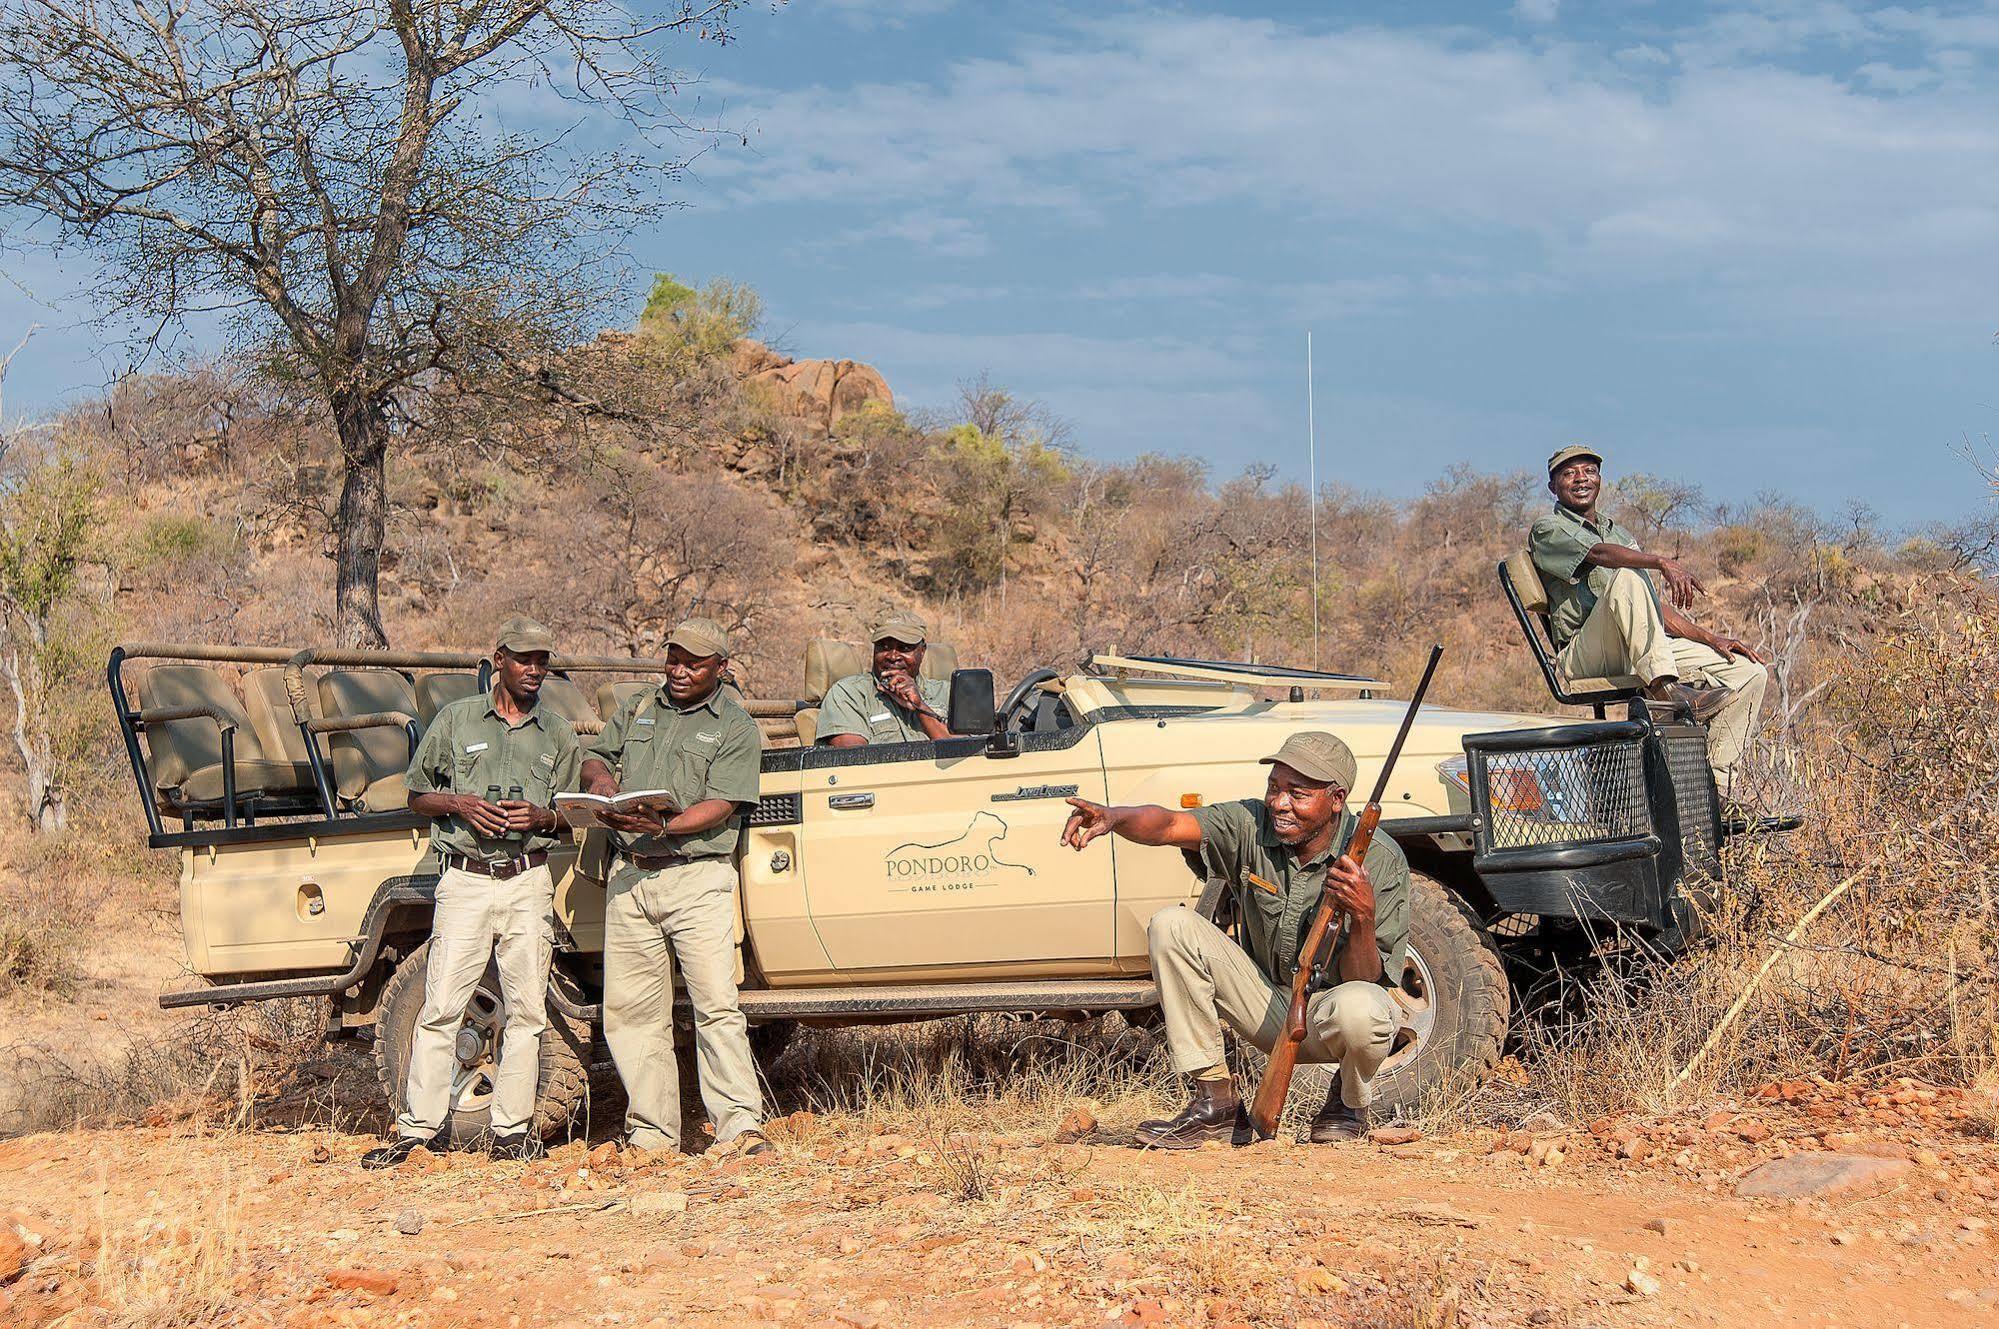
[
  {"x": 700, "y": 636},
  {"x": 1570, "y": 453},
  {"x": 908, "y": 629},
  {"x": 521, "y": 635},
  {"x": 1317, "y": 755}
]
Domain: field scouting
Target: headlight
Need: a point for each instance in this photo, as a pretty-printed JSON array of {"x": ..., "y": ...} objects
[{"x": 1522, "y": 784}]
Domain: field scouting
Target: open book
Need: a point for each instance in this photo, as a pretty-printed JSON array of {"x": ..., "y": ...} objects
[{"x": 582, "y": 809}]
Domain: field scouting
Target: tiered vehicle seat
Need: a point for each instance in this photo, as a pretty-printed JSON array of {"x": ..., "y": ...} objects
[
  {"x": 612, "y": 696},
  {"x": 435, "y": 691},
  {"x": 196, "y": 730},
  {"x": 827, "y": 661},
  {"x": 369, "y": 760}
]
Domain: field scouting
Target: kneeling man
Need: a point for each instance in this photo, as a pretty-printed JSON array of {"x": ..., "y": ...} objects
[{"x": 1278, "y": 855}]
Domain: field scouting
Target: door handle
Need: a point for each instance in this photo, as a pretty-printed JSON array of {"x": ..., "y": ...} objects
[{"x": 850, "y": 802}]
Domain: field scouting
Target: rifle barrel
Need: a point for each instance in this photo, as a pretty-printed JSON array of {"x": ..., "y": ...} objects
[{"x": 1408, "y": 719}]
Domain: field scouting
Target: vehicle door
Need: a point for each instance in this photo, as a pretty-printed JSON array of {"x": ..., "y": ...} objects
[{"x": 935, "y": 858}]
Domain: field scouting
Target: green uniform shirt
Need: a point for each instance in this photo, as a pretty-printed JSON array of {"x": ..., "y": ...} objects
[
  {"x": 711, "y": 749},
  {"x": 469, "y": 749},
  {"x": 1560, "y": 542},
  {"x": 1238, "y": 842},
  {"x": 856, "y": 705}
]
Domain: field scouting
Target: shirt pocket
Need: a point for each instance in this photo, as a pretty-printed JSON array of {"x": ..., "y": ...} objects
[{"x": 689, "y": 772}]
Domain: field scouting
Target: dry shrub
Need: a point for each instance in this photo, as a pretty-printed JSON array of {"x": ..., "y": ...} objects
[
  {"x": 183, "y": 1263},
  {"x": 259, "y": 1064},
  {"x": 977, "y": 1073},
  {"x": 1897, "y": 972}
]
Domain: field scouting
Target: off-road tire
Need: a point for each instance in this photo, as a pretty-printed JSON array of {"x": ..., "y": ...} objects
[
  {"x": 768, "y": 1041},
  {"x": 560, "y": 1090},
  {"x": 1471, "y": 998}
]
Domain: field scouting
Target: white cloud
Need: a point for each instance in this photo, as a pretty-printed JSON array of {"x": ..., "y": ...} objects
[
  {"x": 954, "y": 237},
  {"x": 1537, "y": 11},
  {"x": 1754, "y": 175}
]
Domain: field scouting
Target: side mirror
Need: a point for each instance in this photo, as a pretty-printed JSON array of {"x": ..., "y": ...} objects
[{"x": 972, "y": 709}]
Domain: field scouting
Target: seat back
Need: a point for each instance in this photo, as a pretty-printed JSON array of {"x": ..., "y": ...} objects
[
  {"x": 565, "y": 699},
  {"x": 828, "y": 661},
  {"x": 611, "y": 697},
  {"x": 1526, "y": 578},
  {"x": 363, "y": 756},
  {"x": 179, "y": 748},
  {"x": 1521, "y": 580},
  {"x": 434, "y": 692},
  {"x": 271, "y": 715}
]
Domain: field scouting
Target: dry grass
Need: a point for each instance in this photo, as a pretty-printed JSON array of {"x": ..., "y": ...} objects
[{"x": 183, "y": 1264}]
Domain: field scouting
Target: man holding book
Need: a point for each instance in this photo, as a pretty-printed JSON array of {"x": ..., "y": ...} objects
[
  {"x": 485, "y": 773},
  {"x": 672, "y": 895}
]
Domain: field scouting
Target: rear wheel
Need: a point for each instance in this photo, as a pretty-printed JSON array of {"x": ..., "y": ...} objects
[
  {"x": 563, "y": 1081},
  {"x": 1453, "y": 1001}
]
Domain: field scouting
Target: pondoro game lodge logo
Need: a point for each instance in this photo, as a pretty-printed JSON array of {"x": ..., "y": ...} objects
[{"x": 963, "y": 863}]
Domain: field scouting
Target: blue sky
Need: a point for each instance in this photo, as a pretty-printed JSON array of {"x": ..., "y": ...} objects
[{"x": 1750, "y": 244}]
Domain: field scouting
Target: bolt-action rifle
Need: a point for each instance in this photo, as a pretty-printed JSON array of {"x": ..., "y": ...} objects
[{"x": 1331, "y": 921}]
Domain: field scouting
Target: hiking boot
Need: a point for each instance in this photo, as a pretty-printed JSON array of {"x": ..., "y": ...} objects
[
  {"x": 1701, "y": 704},
  {"x": 751, "y": 1143},
  {"x": 517, "y": 1147},
  {"x": 396, "y": 1150},
  {"x": 1337, "y": 1123},
  {"x": 1210, "y": 1114}
]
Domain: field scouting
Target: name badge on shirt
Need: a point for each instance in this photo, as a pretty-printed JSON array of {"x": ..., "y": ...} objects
[
  {"x": 708, "y": 736},
  {"x": 1261, "y": 884},
  {"x": 475, "y": 747},
  {"x": 547, "y": 760},
  {"x": 643, "y": 719},
  {"x": 879, "y": 719}
]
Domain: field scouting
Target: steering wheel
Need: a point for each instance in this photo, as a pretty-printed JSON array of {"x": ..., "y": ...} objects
[{"x": 1013, "y": 714}]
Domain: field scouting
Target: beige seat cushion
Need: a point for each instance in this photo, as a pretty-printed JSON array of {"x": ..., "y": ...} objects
[
  {"x": 565, "y": 699},
  {"x": 388, "y": 794},
  {"x": 828, "y": 661},
  {"x": 436, "y": 691},
  {"x": 611, "y": 696},
  {"x": 1526, "y": 580},
  {"x": 365, "y": 756},
  {"x": 179, "y": 748},
  {"x": 807, "y": 723},
  {"x": 270, "y": 711},
  {"x": 256, "y": 776}
]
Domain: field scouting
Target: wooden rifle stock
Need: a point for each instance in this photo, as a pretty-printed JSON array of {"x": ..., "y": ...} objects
[{"x": 1275, "y": 1087}]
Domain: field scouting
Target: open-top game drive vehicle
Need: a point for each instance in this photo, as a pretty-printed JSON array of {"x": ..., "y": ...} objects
[{"x": 905, "y": 881}]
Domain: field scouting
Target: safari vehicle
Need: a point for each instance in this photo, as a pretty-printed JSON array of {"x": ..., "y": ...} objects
[{"x": 906, "y": 881}]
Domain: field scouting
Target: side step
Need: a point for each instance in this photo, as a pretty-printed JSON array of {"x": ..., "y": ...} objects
[{"x": 919, "y": 1001}]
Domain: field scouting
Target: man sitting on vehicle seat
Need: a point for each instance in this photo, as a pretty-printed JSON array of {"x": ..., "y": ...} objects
[
  {"x": 1606, "y": 616},
  {"x": 486, "y": 772},
  {"x": 1278, "y": 855},
  {"x": 893, "y": 703}
]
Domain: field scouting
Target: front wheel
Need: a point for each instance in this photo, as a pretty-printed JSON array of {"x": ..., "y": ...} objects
[
  {"x": 560, "y": 1088},
  {"x": 1453, "y": 1002}
]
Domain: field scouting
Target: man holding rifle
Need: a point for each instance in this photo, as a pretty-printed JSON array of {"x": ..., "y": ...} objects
[{"x": 1278, "y": 856}]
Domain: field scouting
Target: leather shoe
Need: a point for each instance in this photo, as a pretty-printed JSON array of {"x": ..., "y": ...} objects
[
  {"x": 519, "y": 1147},
  {"x": 1210, "y": 1114},
  {"x": 1700, "y": 703},
  {"x": 1337, "y": 1123},
  {"x": 396, "y": 1150}
]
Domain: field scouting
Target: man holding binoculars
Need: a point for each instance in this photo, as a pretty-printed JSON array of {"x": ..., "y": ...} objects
[{"x": 494, "y": 891}]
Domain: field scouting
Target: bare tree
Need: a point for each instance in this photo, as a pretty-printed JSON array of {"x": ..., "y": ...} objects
[{"x": 365, "y": 188}]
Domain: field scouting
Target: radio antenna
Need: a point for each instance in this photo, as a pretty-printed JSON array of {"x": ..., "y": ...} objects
[{"x": 1312, "y": 495}]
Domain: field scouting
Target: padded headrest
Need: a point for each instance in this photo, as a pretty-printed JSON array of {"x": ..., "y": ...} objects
[
  {"x": 565, "y": 699},
  {"x": 612, "y": 696},
  {"x": 434, "y": 692},
  {"x": 364, "y": 756},
  {"x": 181, "y": 747},
  {"x": 1526, "y": 580},
  {"x": 271, "y": 714},
  {"x": 828, "y": 661}
]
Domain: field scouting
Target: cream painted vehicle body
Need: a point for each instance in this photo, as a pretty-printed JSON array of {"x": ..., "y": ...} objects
[{"x": 904, "y": 881}]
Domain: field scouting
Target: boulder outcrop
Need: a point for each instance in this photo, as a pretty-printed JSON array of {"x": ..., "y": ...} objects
[{"x": 818, "y": 394}]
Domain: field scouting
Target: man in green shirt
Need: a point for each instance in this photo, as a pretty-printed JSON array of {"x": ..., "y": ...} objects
[
  {"x": 486, "y": 772},
  {"x": 1607, "y": 617},
  {"x": 673, "y": 894},
  {"x": 893, "y": 703},
  {"x": 1278, "y": 856}
]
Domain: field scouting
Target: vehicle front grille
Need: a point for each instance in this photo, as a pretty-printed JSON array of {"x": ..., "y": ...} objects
[
  {"x": 1579, "y": 795},
  {"x": 778, "y": 810},
  {"x": 1693, "y": 790}
]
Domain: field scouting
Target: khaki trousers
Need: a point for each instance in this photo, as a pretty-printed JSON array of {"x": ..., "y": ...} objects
[
  {"x": 1204, "y": 978},
  {"x": 1624, "y": 634},
  {"x": 686, "y": 912},
  {"x": 477, "y": 918}
]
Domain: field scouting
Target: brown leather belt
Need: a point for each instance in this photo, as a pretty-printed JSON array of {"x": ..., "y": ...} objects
[
  {"x": 499, "y": 869},
  {"x": 655, "y": 862}
]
